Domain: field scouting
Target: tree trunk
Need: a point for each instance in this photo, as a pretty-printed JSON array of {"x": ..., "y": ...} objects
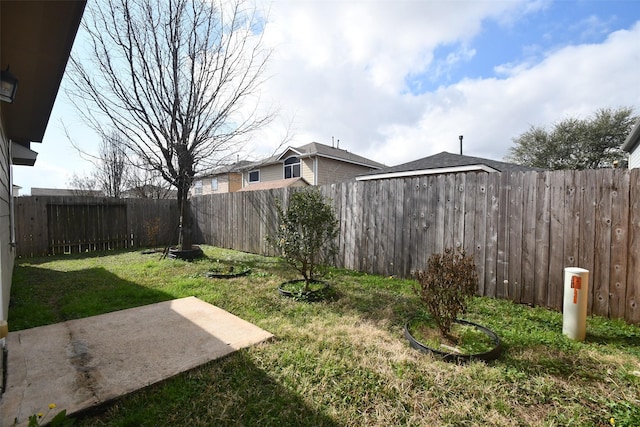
[{"x": 184, "y": 239}]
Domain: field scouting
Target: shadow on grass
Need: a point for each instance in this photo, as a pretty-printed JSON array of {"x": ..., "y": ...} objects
[
  {"x": 41, "y": 296},
  {"x": 74, "y": 256},
  {"x": 378, "y": 299},
  {"x": 229, "y": 391},
  {"x": 613, "y": 332}
]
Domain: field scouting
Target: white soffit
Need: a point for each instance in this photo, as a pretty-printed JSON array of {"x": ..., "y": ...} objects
[{"x": 404, "y": 174}]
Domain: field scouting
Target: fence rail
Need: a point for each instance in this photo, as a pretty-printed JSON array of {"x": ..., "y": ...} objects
[{"x": 522, "y": 229}]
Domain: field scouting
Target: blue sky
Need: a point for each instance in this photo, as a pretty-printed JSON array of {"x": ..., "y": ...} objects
[
  {"x": 529, "y": 39},
  {"x": 399, "y": 80}
]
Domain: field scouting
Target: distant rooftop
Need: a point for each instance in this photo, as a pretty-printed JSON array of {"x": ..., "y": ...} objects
[
  {"x": 35, "y": 191},
  {"x": 445, "y": 163},
  {"x": 321, "y": 150}
]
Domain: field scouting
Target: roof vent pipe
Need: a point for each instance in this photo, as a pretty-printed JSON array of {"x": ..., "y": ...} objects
[{"x": 460, "y": 138}]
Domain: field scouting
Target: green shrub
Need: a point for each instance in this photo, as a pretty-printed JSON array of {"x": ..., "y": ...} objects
[
  {"x": 306, "y": 232},
  {"x": 450, "y": 281}
]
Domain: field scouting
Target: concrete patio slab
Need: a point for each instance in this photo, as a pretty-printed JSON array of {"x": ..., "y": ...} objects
[{"x": 82, "y": 363}]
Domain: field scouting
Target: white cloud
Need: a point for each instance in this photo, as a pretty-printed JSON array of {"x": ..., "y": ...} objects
[
  {"x": 339, "y": 68},
  {"x": 574, "y": 81}
]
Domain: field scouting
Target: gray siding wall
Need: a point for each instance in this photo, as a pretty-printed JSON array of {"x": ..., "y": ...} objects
[{"x": 7, "y": 253}]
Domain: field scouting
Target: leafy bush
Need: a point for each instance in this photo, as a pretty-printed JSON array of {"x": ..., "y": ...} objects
[
  {"x": 450, "y": 281},
  {"x": 306, "y": 233}
]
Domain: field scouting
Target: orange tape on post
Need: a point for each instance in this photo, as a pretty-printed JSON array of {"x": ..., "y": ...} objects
[{"x": 576, "y": 283}]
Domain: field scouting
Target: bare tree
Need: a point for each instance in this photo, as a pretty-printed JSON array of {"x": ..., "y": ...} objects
[
  {"x": 145, "y": 184},
  {"x": 83, "y": 185},
  {"x": 112, "y": 165},
  {"x": 179, "y": 78}
]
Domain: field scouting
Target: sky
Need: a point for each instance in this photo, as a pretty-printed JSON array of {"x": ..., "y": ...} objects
[{"x": 398, "y": 80}]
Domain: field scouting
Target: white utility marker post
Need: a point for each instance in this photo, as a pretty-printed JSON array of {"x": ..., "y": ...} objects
[{"x": 576, "y": 296}]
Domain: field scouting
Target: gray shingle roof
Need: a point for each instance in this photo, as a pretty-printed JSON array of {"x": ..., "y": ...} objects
[
  {"x": 234, "y": 167},
  {"x": 449, "y": 160},
  {"x": 317, "y": 149}
]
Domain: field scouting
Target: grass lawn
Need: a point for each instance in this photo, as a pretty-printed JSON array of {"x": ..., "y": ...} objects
[{"x": 342, "y": 362}]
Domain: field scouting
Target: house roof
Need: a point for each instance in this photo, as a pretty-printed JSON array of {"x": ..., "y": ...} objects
[
  {"x": 280, "y": 183},
  {"x": 321, "y": 150},
  {"x": 444, "y": 163},
  {"x": 633, "y": 140},
  {"x": 234, "y": 167},
  {"x": 36, "y": 39}
]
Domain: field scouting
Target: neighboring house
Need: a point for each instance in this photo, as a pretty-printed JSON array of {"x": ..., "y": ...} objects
[
  {"x": 632, "y": 146},
  {"x": 315, "y": 163},
  {"x": 35, "y": 42},
  {"x": 444, "y": 163},
  {"x": 225, "y": 179}
]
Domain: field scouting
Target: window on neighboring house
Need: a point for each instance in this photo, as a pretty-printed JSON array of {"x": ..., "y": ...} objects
[
  {"x": 292, "y": 167},
  {"x": 254, "y": 176},
  {"x": 197, "y": 188},
  {"x": 214, "y": 184}
]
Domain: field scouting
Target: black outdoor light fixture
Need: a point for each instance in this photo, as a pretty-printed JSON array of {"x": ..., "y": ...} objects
[{"x": 8, "y": 86}]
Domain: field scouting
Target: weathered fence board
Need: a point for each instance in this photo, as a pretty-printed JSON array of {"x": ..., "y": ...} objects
[
  {"x": 586, "y": 246},
  {"x": 619, "y": 238},
  {"x": 632, "y": 311},
  {"x": 601, "y": 270},
  {"x": 480, "y": 232}
]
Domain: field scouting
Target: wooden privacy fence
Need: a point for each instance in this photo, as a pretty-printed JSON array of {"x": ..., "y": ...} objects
[
  {"x": 55, "y": 225},
  {"x": 522, "y": 229}
]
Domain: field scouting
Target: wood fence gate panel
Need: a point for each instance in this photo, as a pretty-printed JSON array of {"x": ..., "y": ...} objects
[
  {"x": 53, "y": 225},
  {"x": 31, "y": 227},
  {"x": 76, "y": 228}
]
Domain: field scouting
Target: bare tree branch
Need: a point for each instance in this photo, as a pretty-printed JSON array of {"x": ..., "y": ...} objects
[{"x": 179, "y": 79}]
